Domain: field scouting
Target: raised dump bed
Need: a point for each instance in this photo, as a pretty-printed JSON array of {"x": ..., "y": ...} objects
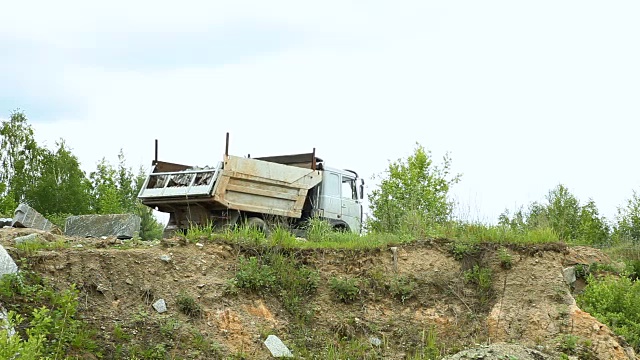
[{"x": 242, "y": 184}]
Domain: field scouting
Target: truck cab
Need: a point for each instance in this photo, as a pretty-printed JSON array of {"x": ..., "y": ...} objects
[{"x": 340, "y": 199}]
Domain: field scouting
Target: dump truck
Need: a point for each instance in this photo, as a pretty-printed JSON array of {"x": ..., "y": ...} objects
[{"x": 284, "y": 189}]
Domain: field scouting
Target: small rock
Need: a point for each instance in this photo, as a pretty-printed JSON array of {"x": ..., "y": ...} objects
[
  {"x": 375, "y": 341},
  {"x": 78, "y": 246},
  {"x": 129, "y": 281},
  {"x": 5, "y": 222},
  {"x": 165, "y": 258},
  {"x": 27, "y": 238},
  {"x": 201, "y": 286},
  {"x": 200, "y": 245},
  {"x": 569, "y": 275},
  {"x": 160, "y": 306},
  {"x": 103, "y": 237},
  {"x": 277, "y": 347}
]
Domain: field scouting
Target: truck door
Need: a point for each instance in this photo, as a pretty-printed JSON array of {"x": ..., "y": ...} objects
[
  {"x": 351, "y": 207},
  {"x": 339, "y": 199},
  {"x": 330, "y": 198}
]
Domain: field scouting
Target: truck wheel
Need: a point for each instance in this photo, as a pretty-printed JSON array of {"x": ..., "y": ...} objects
[
  {"x": 259, "y": 224},
  {"x": 341, "y": 228}
]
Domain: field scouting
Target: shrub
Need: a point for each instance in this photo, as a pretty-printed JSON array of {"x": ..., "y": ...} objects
[
  {"x": 281, "y": 276},
  {"x": 188, "y": 305},
  {"x": 346, "y": 290},
  {"x": 505, "y": 258},
  {"x": 45, "y": 319},
  {"x": 482, "y": 279},
  {"x": 613, "y": 301},
  {"x": 253, "y": 275},
  {"x": 402, "y": 288}
]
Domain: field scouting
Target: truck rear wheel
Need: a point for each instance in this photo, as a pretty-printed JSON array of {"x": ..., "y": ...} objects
[{"x": 258, "y": 224}]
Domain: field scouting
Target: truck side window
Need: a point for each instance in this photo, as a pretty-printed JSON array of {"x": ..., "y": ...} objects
[
  {"x": 332, "y": 185},
  {"x": 349, "y": 188}
]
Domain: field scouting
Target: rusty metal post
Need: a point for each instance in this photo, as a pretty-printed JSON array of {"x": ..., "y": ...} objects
[
  {"x": 156, "y": 158},
  {"x": 226, "y": 148},
  {"x": 313, "y": 160}
]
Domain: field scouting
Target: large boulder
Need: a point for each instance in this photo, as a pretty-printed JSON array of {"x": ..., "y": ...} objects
[
  {"x": 122, "y": 226},
  {"x": 27, "y": 217}
]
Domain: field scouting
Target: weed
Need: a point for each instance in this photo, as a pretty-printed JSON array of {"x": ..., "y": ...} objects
[
  {"x": 318, "y": 230},
  {"x": 31, "y": 247},
  {"x": 501, "y": 234},
  {"x": 169, "y": 327},
  {"x": 429, "y": 347},
  {"x": 244, "y": 233},
  {"x": 196, "y": 233},
  {"x": 201, "y": 343},
  {"x": 506, "y": 260},
  {"x": 402, "y": 288},
  {"x": 140, "y": 317},
  {"x": 346, "y": 290},
  {"x": 120, "y": 334},
  {"x": 482, "y": 278},
  {"x": 282, "y": 276},
  {"x": 253, "y": 275},
  {"x": 281, "y": 235},
  {"x": 569, "y": 343},
  {"x": 460, "y": 249},
  {"x": 188, "y": 305}
]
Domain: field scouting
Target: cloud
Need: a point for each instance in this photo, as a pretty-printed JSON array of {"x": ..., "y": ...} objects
[{"x": 523, "y": 96}]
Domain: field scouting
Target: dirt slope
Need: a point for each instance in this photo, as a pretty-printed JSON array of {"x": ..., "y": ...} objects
[{"x": 528, "y": 304}]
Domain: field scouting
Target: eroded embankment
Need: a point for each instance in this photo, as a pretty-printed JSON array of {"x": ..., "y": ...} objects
[{"x": 415, "y": 300}]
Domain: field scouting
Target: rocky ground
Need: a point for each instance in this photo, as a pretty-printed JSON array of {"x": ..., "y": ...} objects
[{"x": 525, "y": 312}]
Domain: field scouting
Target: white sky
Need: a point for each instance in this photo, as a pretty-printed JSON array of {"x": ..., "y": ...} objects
[{"x": 523, "y": 95}]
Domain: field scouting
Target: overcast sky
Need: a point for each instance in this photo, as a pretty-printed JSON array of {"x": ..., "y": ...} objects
[{"x": 523, "y": 95}]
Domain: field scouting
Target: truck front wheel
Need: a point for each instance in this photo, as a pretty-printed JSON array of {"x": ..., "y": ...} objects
[{"x": 258, "y": 224}]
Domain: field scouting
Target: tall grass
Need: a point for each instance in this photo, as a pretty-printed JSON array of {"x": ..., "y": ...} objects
[
  {"x": 478, "y": 232},
  {"x": 321, "y": 235}
]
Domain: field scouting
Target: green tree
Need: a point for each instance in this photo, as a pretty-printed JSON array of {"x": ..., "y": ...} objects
[
  {"x": 62, "y": 187},
  {"x": 115, "y": 191},
  {"x": 593, "y": 228},
  {"x": 563, "y": 213},
  {"x": 150, "y": 228},
  {"x": 20, "y": 157},
  {"x": 105, "y": 194},
  {"x": 410, "y": 188},
  {"x": 127, "y": 185},
  {"x": 627, "y": 227},
  {"x": 7, "y": 202}
]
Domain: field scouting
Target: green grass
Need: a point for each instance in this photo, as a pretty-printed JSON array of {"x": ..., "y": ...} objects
[
  {"x": 478, "y": 232},
  {"x": 31, "y": 247},
  {"x": 281, "y": 276},
  {"x": 188, "y": 305},
  {"x": 320, "y": 235}
]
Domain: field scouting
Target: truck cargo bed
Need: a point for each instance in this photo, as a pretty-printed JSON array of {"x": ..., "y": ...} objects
[{"x": 243, "y": 184}]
